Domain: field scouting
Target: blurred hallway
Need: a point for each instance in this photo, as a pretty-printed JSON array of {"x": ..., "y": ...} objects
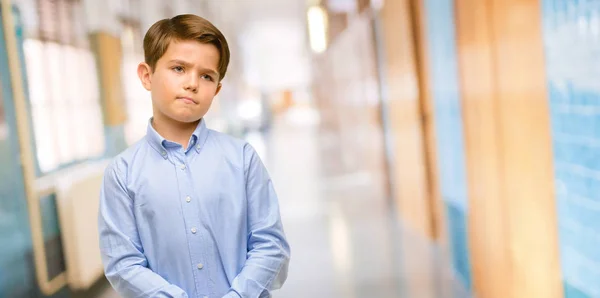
[
  {"x": 344, "y": 237},
  {"x": 419, "y": 148}
]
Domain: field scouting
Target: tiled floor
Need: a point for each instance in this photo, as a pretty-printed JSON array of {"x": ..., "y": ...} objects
[{"x": 345, "y": 241}]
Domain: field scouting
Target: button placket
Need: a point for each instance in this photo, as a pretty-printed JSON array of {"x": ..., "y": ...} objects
[
  {"x": 180, "y": 160},
  {"x": 195, "y": 232}
]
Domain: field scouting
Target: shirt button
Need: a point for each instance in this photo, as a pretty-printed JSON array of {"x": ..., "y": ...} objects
[
  {"x": 194, "y": 230},
  {"x": 200, "y": 266},
  {"x": 198, "y": 146},
  {"x": 163, "y": 153},
  {"x": 183, "y": 167},
  {"x": 188, "y": 199}
]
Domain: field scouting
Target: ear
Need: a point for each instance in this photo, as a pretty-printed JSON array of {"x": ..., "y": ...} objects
[
  {"x": 145, "y": 74},
  {"x": 218, "y": 89}
]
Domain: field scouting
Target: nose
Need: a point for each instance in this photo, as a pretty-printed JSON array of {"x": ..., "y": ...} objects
[{"x": 192, "y": 83}]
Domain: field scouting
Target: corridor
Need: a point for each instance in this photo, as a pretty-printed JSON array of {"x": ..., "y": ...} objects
[
  {"x": 345, "y": 240},
  {"x": 344, "y": 237},
  {"x": 419, "y": 149}
]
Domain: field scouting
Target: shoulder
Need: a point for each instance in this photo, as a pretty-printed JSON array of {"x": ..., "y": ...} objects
[
  {"x": 229, "y": 144},
  {"x": 121, "y": 164},
  {"x": 237, "y": 151}
]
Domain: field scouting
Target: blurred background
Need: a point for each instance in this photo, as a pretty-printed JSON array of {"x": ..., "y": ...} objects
[{"x": 419, "y": 148}]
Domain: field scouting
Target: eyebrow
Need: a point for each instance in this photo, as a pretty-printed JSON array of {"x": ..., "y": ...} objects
[{"x": 187, "y": 64}]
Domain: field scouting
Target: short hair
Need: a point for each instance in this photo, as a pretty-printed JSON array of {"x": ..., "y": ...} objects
[{"x": 180, "y": 28}]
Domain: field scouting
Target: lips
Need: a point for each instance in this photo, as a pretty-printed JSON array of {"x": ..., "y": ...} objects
[{"x": 188, "y": 100}]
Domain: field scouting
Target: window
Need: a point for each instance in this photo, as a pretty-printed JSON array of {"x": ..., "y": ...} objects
[
  {"x": 139, "y": 103},
  {"x": 63, "y": 88}
]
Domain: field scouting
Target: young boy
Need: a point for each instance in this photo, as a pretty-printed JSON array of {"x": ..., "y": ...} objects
[{"x": 187, "y": 211}]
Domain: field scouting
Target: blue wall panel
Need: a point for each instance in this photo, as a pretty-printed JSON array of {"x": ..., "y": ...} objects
[
  {"x": 449, "y": 129},
  {"x": 571, "y": 31},
  {"x": 16, "y": 277},
  {"x": 17, "y": 270}
]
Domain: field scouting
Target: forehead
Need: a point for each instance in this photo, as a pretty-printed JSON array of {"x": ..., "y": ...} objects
[{"x": 194, "y": 52}]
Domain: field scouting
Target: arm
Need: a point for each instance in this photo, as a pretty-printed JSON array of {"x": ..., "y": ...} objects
[
  {"x": 125, "y": 265},
  {"x": 268, "y": 251}
]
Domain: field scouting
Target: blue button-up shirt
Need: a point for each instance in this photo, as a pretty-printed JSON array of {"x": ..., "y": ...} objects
[{"x": 203, "y": 222}]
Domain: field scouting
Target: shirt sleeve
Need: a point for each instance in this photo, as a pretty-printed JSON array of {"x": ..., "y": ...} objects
[
  {"x": 268, "y": 254},
  {"x": 125, "y": 265}
]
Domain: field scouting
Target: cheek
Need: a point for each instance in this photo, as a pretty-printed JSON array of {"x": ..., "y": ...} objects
[
  {"x": 162, "y": 80},
  {"x": 168, "y": 84},
  {"x": 209, "y": 89}
]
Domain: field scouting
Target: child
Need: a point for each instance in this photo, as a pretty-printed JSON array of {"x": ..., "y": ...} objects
[{"x": 187, "y": 211}]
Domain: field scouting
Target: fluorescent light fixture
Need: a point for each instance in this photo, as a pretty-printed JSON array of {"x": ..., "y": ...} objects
[{"x": 317, "y": 26}]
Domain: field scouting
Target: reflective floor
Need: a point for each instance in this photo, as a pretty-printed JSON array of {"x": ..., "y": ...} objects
[{"x": 345, "y": 241}]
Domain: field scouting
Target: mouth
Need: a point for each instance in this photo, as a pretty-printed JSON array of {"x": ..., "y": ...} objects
[{"x": 187, "y": 100}]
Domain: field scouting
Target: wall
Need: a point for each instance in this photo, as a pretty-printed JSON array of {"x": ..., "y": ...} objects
[
  {"x": 17, "y": 275},
  {"x": 348, "y": 101},
  {"x": 400, "y": 73},
  {"x": 444, "y": 83},
  {"x": 571, "y": 43},
  {"x": 13, "y": 210},
  {"x": 512, "y": 216}
]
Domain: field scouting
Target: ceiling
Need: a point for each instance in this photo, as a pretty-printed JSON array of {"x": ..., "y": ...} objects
[{"x": 271, "y": 34}]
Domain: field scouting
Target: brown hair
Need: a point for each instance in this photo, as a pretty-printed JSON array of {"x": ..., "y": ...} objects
[{"x": 184, "y": 27}]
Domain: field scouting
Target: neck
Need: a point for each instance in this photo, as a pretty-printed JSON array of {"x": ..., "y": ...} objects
[{"x": 174, "y": 131}]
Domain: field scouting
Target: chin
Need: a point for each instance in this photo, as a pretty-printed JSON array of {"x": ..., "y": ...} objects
[
  {"x": 186, "y": 118},
  {"x": 182, "y": 115}
]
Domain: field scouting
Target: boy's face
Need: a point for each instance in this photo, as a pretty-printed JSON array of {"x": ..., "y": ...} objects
[{"x": 184, "y": 82}]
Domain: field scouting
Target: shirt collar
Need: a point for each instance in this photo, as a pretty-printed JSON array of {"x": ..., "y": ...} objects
[{"x": 157, "y": 142}]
